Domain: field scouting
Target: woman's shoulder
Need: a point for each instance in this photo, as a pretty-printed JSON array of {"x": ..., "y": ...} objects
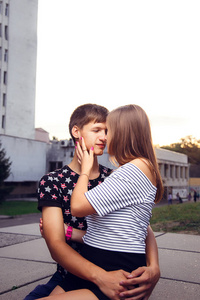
[{"x": 145, "y": 166}]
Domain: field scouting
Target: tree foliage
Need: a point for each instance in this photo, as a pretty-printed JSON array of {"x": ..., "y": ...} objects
[
  {"x": 5, "y": 165},
  {"x": 189, "y": 146}
]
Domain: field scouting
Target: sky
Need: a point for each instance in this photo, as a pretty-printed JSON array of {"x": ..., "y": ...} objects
[{"x": 114, "y": 53}]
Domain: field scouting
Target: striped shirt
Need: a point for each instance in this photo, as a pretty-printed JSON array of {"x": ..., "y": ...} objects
[{"x": 123, "y": 205}]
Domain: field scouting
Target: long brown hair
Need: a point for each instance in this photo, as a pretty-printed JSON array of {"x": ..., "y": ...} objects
[{"x": 131, "y": 138}]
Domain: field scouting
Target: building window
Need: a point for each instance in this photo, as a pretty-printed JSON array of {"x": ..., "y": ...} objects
[
  {"x": 171, "y": 171},
  {"x": 186, "y": 172},
  {"x": 6, "y": 55},
  {"x": 0, "y": 53},
  {"x": 176, "y": 171},
  {"x": 7, "y": 10},
  {"x": 4, "y": 99},
  {"x": 6, "y": 32},
  {"x": 165, "y": 170},
  {"x": 0, "y": 30},
  {"x": 181, "y": 172},
  {"x": 1, "y": 7},
  {"x": 3, "y": 122},
  {"x": 5, "y": 77}
]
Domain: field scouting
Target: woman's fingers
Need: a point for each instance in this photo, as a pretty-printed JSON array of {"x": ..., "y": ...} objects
[{"x": 83, "y": 145}]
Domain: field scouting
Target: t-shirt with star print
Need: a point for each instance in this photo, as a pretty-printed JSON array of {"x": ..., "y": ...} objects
[{"x": 55, "y": 190}]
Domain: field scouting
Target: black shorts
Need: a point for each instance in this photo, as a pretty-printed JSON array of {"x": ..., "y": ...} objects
[{"x": 109, "y": 261}]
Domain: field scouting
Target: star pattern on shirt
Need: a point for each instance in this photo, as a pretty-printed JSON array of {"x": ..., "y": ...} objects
[
  {"x": 55, "y": 187},
  {"x": 61, "y": 175},
  {"x": 74, "y": 219},
  {"x": 80, "y": 225},
  {"x": 65, "y": 198},
  {"x": 47, "y": 189},
  {"x": 70, "y": 192},
  {"x": 63, "y": 185}
]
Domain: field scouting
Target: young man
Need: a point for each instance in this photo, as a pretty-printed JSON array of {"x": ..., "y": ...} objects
[{"x": 54, "y": 195}]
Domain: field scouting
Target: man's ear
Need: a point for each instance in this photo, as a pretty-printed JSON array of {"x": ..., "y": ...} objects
[{"x": 76, "y": 132}]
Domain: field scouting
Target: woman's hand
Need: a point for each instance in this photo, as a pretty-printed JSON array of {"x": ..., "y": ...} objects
[
  {"x": 146, "y": 278},
  {"x": 85, "y": 157}
]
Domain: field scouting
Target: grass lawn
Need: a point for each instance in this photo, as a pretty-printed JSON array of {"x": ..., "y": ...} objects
[
  {"x": 182, "y": 218},
  {"x": 13, "y": 208}
]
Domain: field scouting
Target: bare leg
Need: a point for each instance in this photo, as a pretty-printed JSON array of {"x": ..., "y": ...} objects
[
  {"x": 58, "y": 290},
  {"x": 83, "y": 294}
]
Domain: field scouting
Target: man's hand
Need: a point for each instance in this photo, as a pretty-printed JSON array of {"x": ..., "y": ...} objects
[
  {"x": 109, "y": 283},
  {"x": 146, "y": 278},
  {"x": 41, "y": 227}
]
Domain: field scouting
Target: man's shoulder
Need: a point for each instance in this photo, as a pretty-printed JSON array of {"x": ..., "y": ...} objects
[
  {"x": 58, "y": 173},
  {"x": 105, "y": 170}
]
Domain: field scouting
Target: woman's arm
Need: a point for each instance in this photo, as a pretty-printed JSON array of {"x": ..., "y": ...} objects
[
  {"x": 80, "y": 206},
  {"x": 77, "y": 234}
]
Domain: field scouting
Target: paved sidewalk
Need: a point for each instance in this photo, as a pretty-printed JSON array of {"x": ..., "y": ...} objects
[{"x": 25, "y": 261}]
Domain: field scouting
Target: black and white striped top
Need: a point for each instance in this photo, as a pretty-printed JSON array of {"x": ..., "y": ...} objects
[{"x": 123, "y": 203}]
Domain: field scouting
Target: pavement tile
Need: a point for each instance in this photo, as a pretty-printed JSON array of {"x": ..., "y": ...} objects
[
  {"x": 8, "y": 239},
  {"x": 30, "y": 229},
  {"x": 179, "y": 265},
  {"x": 175, "y": 290},
  {"x": 20, "y": 272},
  {"x": 32, "y": 250},
  {"x": 21, "y": 292},
  {"x": 179, "y": 241}
]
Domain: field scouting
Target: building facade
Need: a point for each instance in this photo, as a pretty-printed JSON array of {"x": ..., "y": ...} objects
[
  {"x": 18, "y": 54},
  {"x": 174, "y": 169}
]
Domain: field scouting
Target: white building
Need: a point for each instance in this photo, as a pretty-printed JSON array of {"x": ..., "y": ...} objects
[
  {"x": 18, "y": 54},
  {"x": 174, "y": 169}
]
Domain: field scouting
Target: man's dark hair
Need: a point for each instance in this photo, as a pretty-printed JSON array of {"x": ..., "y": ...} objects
[{"x": 85, "y": 114}]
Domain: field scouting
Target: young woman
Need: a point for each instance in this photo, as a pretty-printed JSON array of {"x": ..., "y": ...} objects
[{"x": 119, "y": 209}]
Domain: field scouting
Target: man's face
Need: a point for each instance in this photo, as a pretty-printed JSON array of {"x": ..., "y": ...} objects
[{"x": 94, "y": 135}]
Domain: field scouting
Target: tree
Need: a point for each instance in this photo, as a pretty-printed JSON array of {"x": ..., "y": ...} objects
[
  {"x": 191, "y": 147},
  {"x": 5, "y": 165}
]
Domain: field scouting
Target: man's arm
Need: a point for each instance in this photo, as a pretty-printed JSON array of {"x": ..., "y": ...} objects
[
  {"x": 77, "y": 234},
  {"x": 145, "y": 277},
  {"x": 72, "y": 261}
]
